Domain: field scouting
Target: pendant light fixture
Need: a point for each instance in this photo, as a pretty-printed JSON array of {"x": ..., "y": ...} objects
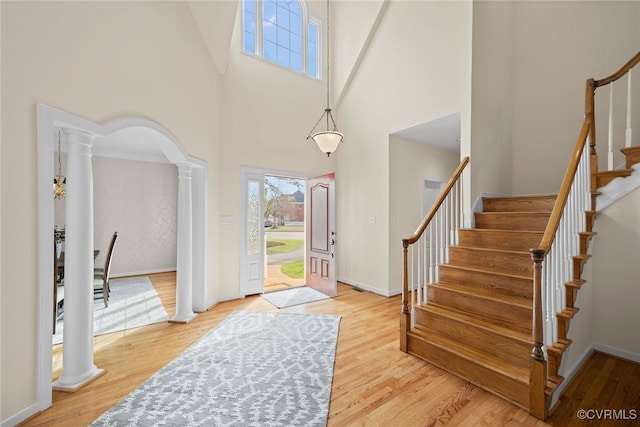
[
  {"x": 329, "y": 139},
  {"x": 58, "y": 182}
]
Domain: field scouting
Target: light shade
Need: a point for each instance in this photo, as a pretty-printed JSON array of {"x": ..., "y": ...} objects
[{"x": 327, "y": 141}]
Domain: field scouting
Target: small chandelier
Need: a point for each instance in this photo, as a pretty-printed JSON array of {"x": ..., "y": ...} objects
[
  {"x": 59, "y": 181},
  {"x": 327, "y": 140}
]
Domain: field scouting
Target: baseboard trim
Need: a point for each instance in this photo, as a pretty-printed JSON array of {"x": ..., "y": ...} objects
[
  {"x": 143, "y": 272},
  {"x": 612, "y": 351},
  {"x": 366, "y": 287},
  {"x": 28, "y": 412}
]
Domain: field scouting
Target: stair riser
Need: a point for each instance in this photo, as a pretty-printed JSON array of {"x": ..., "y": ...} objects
[
  {"x": 504, "y": 262},
  {"x": 504, "y": 240},
  {"x": 518, "y": 204},
  {"x": 513, "y": 351},
  {"x": 512, "y": 221},
  {"x": 500, "y": 384},
  {"x": 505, "y": 314},
  {"x": 494, "y": 282}
]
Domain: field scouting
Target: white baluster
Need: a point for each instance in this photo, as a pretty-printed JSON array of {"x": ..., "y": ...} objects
[
  {"x": 627, "y": 139},
  {"x": 610, "y": 152}
]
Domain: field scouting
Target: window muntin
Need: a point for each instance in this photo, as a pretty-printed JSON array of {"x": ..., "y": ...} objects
[{"x": 280, "y": 32}]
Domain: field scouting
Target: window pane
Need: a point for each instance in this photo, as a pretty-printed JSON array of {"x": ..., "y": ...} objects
[
  {"x": 269, "y": 11},
  {"x": 283, "y": 56},
  {"x": 253, "y": 217},
  {"x": 283, "y": 37},
  {"x": 312, "y": 51},
  {"x": 269, "y": 32},
  {"x": 295, "y": 24},
  {"x": 296, "y": 43},
  {"x": 250, "y": 22},
  {"x": 312, "y": 69},
  {"x": 283, "y": 17},
  {"x": 294, "y": 7},
  {"x": 313, "y": 33},
  {"x": 270, "y": 51},
  {"x": 250, "y": 6},
  {"x": 249, "y": 42},
  {"x": 296, "y": 61}
]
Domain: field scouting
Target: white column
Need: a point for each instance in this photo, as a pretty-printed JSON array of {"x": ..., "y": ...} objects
[
  {"x": 78, "y": 368},
  {"x": 184, "y": 293}
]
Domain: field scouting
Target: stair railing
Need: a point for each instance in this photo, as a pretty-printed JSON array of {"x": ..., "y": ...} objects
[
  {"x": 553, "y": 259},
  {"x": 430, "y": 247},
  {"x": 592, "y": 85}
]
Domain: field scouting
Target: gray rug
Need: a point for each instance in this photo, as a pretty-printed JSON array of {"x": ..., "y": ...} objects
[
  {"x": 294, "y": 296},
  {"x": 133, "y": 303},
  {"x": 253, "y": 369}
]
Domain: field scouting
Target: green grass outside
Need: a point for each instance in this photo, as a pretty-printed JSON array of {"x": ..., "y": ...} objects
[
  {"x": 282, "y": 245},
  {"x": 285, "y": 228},
  {"x": 295, "y": 269}
]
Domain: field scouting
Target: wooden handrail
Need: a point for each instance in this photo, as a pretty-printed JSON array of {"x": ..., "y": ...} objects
[
  {"x": 621, "y": 72},
  {"x": 432, "y": 212},
  {"x": 563, "y": 194},
  {"x": 405, "y": 312}
]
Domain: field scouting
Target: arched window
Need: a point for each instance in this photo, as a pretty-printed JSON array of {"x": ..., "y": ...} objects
[{"x": 281, "y": 32}]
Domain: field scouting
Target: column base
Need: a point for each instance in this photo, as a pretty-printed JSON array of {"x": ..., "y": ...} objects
[
  {"x": 183, "y": 318},
  {"x": 74, "y": 384}
]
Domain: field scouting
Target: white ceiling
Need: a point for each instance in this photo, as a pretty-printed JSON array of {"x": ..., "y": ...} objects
[{"x": 440, "y": 133}]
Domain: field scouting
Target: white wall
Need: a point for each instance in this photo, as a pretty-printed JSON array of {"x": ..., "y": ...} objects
[
  {"x": 492, "y": 98},
  {"x": 100, "y": 61},
  {"x": 616, "y": 276},
  {"x": 409, "y": 164},
  {"x": 557, "y": 47},
  {"x": 406, "y": 77},
  {"x": 139, "y": 201}
]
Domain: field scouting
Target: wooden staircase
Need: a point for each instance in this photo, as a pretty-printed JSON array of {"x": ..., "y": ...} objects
[
  {"x": 477, "y": 322},
  {"x": 477, "y": 319}
]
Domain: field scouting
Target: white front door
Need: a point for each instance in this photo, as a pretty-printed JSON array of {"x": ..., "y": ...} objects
[
  {"x": 320, "y": 223},
  {"x": 253, "y": 248}
]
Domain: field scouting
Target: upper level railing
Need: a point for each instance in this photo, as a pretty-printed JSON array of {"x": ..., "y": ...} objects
[
  {"x": 429, "y": 247},
  {"x": 553, "y": 259},
  {"x": 621, "y": 77}
]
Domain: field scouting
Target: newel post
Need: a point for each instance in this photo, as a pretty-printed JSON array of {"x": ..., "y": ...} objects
[
  {"x": 537, "y": 362},
  {"x": 405, "y": 314},
  {"x": 590, "y": 114}
]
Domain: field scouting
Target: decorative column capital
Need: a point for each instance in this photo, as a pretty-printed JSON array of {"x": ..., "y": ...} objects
[
  {"x": 184, "y": 170},
  {"x": 78, "y": 141}
]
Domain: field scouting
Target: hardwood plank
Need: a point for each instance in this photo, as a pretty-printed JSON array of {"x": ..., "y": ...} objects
[{"x": 374, "y": 383}]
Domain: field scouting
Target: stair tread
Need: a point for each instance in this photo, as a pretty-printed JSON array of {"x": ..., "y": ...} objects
[
  {"x": 476, "y": 321},
  {"x": 614, "y": 172},
  {"x": 490, "y": 295},
  {"x": 479, "y": 357},
  {"x": 500, "y": 230},
  {"x": 480, "y": 269},
  {"x": 482, "y": 248}
]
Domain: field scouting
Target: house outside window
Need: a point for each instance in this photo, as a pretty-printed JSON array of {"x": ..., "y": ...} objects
[{"x": 281, "y": 32}]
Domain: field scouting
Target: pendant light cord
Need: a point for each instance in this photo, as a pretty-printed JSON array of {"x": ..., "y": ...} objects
[
  {"x": 59, "y": 161},
  {"x": 328, "y": 56}
]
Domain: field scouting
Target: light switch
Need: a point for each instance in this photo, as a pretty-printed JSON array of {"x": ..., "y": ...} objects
[{"x": 372, "y": 220}]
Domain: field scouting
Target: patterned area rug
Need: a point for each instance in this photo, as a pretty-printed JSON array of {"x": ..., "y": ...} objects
[
  {"x": 133, "y": 303},
  {"x": 253, "y": 369},
  {"x": 294, "y": 296}
]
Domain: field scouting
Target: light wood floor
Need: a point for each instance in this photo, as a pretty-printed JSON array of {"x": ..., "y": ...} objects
[{"x": 375, "y": 384}]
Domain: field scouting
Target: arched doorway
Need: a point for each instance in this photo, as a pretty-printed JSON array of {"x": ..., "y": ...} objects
[{"x": 129, "y": 138}]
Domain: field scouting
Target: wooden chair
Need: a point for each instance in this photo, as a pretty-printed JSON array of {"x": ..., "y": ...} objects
[{"x": 101, "y": 275}]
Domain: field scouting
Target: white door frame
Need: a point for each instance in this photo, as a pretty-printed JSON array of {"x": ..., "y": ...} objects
[
  {"x": 246, "y": 174},
  {"x": 50, "y": 119}
]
